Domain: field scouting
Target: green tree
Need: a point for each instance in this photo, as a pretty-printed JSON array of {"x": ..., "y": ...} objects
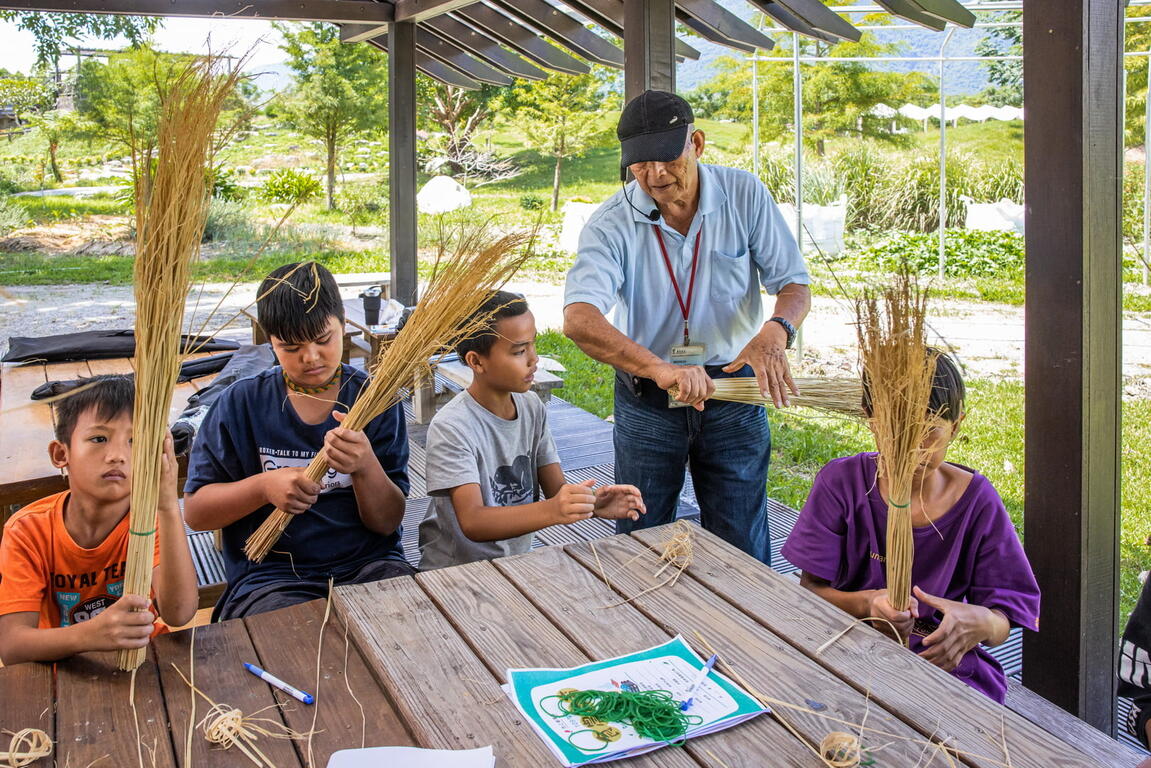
[
  {"x": 341, "y": 90},
  {"x": 562, "y": 116},
  {"x": 120, "y": 100},
  {"x": 838, "y": 96},
  {"x": 1138, "y": 38},
  {"x": 56, "y": 126},
  {"x": 1006, "y": 76},
  {"x": 24, "y": 95},
  {"x": 55, "y": 31},
  {"x": 456, "y": 112}
]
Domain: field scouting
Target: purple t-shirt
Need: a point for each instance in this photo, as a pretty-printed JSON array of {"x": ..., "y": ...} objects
[{"x": 972, "y": 554}]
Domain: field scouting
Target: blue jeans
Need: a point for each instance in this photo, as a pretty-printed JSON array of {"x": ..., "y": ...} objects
[{"x": 727, "y": 447}]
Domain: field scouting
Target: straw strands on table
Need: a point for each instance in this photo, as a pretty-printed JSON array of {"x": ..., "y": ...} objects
[
  {"x": 26, "y": 747},
  {"x": 677, "y": 554},
  {"x": 472, "y": 263},
  {"x": 949, "y": 755},
  {"x": 227, "y": 727},
  {"x": 898, "y": 368},
  {"x": 836, "y": 395},
  {"x": 171, "y": 207}
]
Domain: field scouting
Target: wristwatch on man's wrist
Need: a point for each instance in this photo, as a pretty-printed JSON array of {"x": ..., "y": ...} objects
[{"x": 787, "y": 327}]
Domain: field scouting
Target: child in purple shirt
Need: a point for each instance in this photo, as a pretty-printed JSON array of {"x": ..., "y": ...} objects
[{"x": 971, "y": 580}]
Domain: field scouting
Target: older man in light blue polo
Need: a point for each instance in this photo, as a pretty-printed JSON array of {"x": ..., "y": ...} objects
[{"x": 681, "y": 254}]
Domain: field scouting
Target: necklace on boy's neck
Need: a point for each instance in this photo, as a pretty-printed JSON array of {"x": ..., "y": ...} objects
[{"x": 294, "y": 387}]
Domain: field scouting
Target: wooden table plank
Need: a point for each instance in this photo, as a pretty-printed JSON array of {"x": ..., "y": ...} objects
[
  {"x": 1054, "y": 720},
  {"x": 895, "y": 678},
  {"x": 767, "y": 662},
  {"x": 26, "y": 702},
  {"x": 220, "y": 652},
  {"x": 549, "y": 577},
  {"x": 109, "y": 366},
  {"x": 285, "y": 641},
  {"x": 28, "y": 473},
  {"x": 94, "y": 718},
  {"x": 507, "y": 631},
  {"x": 444, "y": 693}
]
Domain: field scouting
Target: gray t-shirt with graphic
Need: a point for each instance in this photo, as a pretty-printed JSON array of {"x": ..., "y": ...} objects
[{"x": 467, "y": 443}]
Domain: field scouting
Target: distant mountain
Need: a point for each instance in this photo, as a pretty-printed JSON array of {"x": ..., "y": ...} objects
[
  {"x": 960, "y": 77},
  {"x": 273, "y": 78}
]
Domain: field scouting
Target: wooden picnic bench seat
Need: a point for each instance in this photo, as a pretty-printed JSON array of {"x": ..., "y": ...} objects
[{"x": 209, "y": 564}]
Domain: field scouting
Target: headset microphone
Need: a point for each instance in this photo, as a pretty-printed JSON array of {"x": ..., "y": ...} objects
[{"x": 652, "y": 217}]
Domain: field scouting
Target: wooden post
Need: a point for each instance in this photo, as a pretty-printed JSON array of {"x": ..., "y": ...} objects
[
  {"x": 1072, "y": 63},
  {"x": 648, "y": 46},
  {"x": 402, "y": 149}
]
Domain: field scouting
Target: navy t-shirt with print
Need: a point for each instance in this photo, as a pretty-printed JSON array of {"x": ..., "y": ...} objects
[{"x": 252, "y": 428}]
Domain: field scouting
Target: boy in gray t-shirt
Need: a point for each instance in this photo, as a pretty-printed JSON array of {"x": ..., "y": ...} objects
[{"x": 493, "y": 473}]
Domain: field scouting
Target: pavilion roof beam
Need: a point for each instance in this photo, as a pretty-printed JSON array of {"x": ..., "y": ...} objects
[
  {"x": 790, "y": 21},
  {"x": 335, "y": 11},
  {"x": 565, "y": 30},
  {"x": 709, "y": 34},
  {"x": 521, "y": 39},
  {"x": 459, "y": 59},
  {"x": 359, "y": 33},
  {"x": 947, "y": 10},
  {"x": 422, "y": 10},
  {"x": 713, "y": 16},
  {"x": 905, "y": 9},
  {"x": 609, "y": 15},
  {"x": 432, "y": 68},
  {"x": 479, "y": 44},
  {"x": 817, "y": 16}
]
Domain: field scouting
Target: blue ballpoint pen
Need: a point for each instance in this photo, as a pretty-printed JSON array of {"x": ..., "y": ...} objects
[
  {"x": 703, "y": 673},
  {"x": 278, "y": 683}
]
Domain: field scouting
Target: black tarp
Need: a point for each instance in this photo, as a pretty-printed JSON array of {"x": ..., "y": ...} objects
[{"x": 96, "y": 345}]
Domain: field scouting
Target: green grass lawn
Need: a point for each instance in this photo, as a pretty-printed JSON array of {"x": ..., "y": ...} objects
[
  {"x": 50, "y": 208},
  {"x": 991, "y": 441}
]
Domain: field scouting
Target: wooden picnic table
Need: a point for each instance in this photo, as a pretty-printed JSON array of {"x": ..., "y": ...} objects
[
  {"x": 27, "y": 426},
  {"x": 419, "y": 661}
]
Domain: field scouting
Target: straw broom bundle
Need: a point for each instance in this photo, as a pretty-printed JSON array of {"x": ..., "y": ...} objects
[
  {"x": 171, "y": 208},
  {"x": 462, "y": 282},
  {"x": 825, "y": 394},
  {"x": 898, "y": 368}
]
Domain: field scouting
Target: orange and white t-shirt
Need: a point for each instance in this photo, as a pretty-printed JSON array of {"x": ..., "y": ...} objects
[{"x": 42, "y": 569}]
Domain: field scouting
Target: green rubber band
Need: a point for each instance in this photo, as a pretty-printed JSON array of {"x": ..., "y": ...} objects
[
  {"x": 602, "y": 744},
  {"x": 142, "y": 533},
  {"x": 899, "y": 506}
]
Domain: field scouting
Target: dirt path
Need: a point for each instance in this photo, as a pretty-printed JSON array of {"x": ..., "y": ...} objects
[{"x": 988, "y": 338}]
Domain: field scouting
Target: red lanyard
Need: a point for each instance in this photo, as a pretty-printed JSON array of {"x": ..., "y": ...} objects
[{"x": 684, "y": 307}]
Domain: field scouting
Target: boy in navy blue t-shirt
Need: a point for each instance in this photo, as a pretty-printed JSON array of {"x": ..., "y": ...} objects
[{"x": 250, "y": 454}]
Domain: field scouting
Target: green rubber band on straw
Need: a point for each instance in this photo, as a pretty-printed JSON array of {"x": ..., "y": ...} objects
[
  {"x": 899, "y": 506},
  {"x": 142, "y": 533}
]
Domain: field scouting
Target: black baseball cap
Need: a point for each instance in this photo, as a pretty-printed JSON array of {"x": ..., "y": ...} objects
[{"x": 653, "y": 128}]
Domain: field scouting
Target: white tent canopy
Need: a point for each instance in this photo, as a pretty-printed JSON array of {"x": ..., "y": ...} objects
[{"x": 952, "y": 113}]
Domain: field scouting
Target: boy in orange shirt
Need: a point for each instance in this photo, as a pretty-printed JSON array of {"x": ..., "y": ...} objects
[{"x": 63, "y": 558}]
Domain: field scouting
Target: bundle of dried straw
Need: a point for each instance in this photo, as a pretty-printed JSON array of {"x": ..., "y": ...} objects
[
  {"x": 841, "y": 396},
  {"x": 472, "y": 263},
  {"x": 171, "y": 207},
  {"x": 898, "y": 367}
]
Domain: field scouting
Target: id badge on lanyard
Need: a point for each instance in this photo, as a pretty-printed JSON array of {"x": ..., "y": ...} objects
[{"x": 689, "y": 352}]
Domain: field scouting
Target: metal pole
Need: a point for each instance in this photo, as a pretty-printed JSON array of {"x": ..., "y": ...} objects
[
  {"x": 1146, "y": 170},
  {"x": 755, "y": 114},
  {"x": 797, "y": 92},
  {"x": 943, "y": 161}
]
